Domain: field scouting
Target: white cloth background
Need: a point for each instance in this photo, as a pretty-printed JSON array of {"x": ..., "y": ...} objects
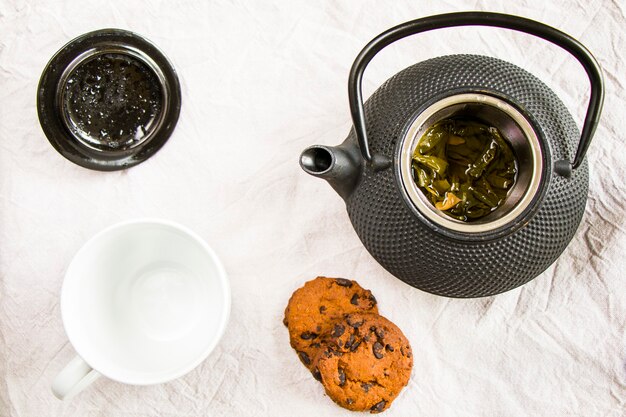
[{"x": 260, "y": 82}]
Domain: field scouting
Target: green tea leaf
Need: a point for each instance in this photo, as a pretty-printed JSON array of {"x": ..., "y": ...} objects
[{"x": 469, "y": 162}]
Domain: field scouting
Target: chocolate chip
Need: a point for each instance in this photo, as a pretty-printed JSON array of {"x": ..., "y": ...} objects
[
  {"x": 380, "y": 333},
  {"x": 343, "y": 282},
  {"x": 373, "y": 299},
  {"x": 373, "y": 329},
  {"x": 304, "y": 358},
  {"x": 322, "y": 309},
  {"x": 350, "y": 341},
  {"x": 342, "y": 377},
  {"x": 365, "y": 386},
  {"x": 317, "y": 375},
  {"x": 285, "y": 322},
  {"x": 355, "y": 324},
  {"x": 377, "y": 350},
  {"x": 338, "y": 330},
  {"x": 378, "y": 407},
  {"x": 389, "y": 348},
  {"x": 339, "y": 343},
  {"x": 308, "y": 335},
  {"x": 318, "y": 328},
  {"x": 315, "y": 345},
  {"x": 406, "y": 352},
  {"x": 355, "y": 346},
  {"x": 349, "y": 401},
  {"x": 355, "y": 299}
]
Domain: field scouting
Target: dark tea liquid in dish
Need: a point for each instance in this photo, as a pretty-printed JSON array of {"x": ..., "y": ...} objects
[
  {"x": 465, "y": 167},
  {"x": 112, "y": 101}
]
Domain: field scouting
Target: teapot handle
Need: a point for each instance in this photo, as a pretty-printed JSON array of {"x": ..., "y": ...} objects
[{"x": 571, "y": 45}]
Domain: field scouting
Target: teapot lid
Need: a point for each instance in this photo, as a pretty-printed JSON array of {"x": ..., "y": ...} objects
[{"x": 108, "y": 100}]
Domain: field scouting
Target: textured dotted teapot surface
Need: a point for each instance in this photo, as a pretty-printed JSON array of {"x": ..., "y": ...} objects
[{"x": 410, "y": 248}]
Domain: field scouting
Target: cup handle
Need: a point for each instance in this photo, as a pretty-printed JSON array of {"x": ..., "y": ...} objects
[{"x": 74, "y": 378}]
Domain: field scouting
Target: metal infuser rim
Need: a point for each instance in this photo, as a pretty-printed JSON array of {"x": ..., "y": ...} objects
[
  {"x": 121, "y": 49},
  {"x": 519, "y": 133}
]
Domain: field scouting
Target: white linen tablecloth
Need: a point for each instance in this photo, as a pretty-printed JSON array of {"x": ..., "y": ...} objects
[{"x": 260, "y": 82}]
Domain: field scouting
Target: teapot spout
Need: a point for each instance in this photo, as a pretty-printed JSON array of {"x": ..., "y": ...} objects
[{"x": 339, "y": 165}]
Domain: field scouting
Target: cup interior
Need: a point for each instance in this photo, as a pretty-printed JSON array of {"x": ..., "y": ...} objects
[{"x": 145, "y": 302}]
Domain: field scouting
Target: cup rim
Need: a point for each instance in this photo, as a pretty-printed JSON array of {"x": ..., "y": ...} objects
[{"x": 164, "y": 376}]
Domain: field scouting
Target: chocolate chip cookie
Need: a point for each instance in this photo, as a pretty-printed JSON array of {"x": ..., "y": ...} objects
[
  {"x": 365, "y": 363},
  {"x": 313, "y": 308}
]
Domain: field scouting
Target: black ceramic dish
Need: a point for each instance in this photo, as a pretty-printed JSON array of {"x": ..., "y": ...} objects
[{"x": 108, "y": 100}]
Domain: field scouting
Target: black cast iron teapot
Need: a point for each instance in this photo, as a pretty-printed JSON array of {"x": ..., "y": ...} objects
[{"x": 404, "y": 232}]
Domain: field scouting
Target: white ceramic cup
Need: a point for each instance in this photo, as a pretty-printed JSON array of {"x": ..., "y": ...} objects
[{"x": 143, "y": 302}]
